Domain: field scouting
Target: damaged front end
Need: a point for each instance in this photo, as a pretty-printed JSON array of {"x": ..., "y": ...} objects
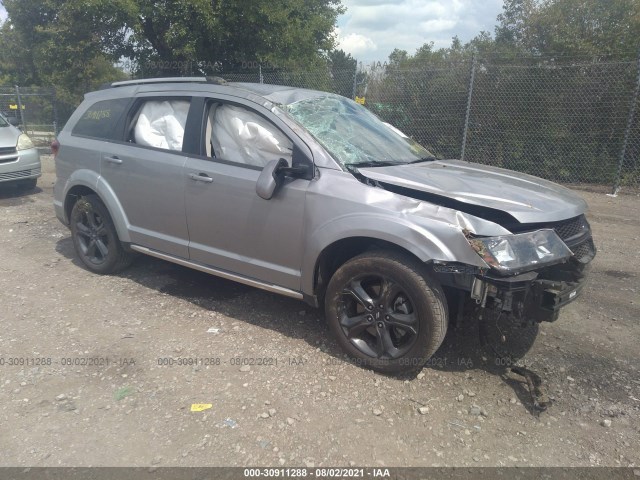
[
  {"x": 534, "y": 272},
  {"x": 531, "y": 269},
  {"x": 532, "y": 275}
]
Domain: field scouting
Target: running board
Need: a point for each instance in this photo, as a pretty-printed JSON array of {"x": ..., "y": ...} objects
[{"x": 219, "y": 273}]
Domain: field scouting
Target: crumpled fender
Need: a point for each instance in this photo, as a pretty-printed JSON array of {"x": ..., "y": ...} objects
[{"x": 430, "y": 232}]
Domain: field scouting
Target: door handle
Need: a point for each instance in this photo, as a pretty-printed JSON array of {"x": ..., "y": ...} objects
[
  {"x": 115, "y": 160},
  {"x": 202, "y": 177}
]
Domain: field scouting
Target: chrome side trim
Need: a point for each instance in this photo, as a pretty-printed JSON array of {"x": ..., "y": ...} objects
[{"x": 219, "y": 273}]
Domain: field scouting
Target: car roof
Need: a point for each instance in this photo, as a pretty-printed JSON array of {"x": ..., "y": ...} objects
[{"x": 278, "y": 94}]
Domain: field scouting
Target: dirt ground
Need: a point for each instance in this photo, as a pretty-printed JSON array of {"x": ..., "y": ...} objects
[{"x": 91, "y": 389}]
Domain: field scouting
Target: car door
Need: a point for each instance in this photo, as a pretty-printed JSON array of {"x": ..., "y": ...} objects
[
  {"x": 146, "y": 173},
  {"x": 230, "y": 226}
]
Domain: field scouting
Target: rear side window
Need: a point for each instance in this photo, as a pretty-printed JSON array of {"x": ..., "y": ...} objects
[
  {"x": 160, "y": 123},
  {"x": 101, "y": 118}
]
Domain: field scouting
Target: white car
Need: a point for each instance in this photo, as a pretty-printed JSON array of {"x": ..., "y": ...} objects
[{"x": 19, "y": 158}]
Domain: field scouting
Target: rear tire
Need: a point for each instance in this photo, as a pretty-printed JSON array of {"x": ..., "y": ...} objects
[
  {"x": 95, "y": 238},
  {"x": 386, "y": 312}
]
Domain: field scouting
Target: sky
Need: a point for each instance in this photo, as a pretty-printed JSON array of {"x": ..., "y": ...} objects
[{"x": 371, "y": 29}]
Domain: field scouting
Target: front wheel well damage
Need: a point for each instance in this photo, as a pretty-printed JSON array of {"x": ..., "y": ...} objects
[{"x": 341, "y": 251}]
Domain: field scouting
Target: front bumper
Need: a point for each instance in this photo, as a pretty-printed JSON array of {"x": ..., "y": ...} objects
[
  {"x": 20, "y": 165},
  {"x": 538, "y": 296}
]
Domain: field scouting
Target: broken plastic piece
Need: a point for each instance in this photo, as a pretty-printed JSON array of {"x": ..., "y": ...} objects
[
  {"x": 229, "y": 422},
  {"x": 539, "y": 398}
]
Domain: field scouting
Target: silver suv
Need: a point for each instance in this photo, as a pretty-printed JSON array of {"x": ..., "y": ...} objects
[{"x": 309, "y": 195}]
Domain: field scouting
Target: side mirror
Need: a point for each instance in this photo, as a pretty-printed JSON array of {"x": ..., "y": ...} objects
[
  {"x": 270, "y": 178},
  {"x": 13, "y": 121}
]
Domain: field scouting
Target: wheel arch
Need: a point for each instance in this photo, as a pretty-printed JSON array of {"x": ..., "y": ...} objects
[
  {"x": 73, "y": 195},
  {"x": 336, "y": 254},
  {"x": 81, "y": 187}
]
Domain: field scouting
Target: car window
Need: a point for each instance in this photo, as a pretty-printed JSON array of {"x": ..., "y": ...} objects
[
  {"x": 100, "y": 119},
  {"x": 240, "y": 135},
  {"x": 3, "y": 122},
  {"x": 160, "y": 123}
]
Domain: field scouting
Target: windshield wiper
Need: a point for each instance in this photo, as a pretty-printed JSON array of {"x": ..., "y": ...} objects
[
  {"x": 373, "y": 164},
  {"x": 420, "y": 160}
]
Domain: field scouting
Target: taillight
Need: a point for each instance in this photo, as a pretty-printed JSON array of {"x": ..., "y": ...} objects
[{"x": 55, "y": 146}]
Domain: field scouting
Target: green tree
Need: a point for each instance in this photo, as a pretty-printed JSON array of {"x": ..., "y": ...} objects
[
  {"x": 73, "y": 44},
  {"x": 343, "y": 67},
  {"x": 571, "y": 27},
  {"x": 205, "y": 36},
  {"x": 517, "y": 25},
  {"x": 590, "y": 27}
]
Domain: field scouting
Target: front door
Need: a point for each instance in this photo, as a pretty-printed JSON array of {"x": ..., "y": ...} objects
[{"x": 230, "y": 226}]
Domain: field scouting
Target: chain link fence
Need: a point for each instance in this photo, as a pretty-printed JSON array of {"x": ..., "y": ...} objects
[
  {"x": 32, "y": 109},
  {"x": 628, "y": 173},
  {"x": 565, "y": 122},
  {"x": 570, "y": 120}
]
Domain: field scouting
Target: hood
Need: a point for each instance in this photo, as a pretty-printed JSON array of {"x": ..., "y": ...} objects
[
  {"x": 8, "y": 136},
  {"x": 458, "y": 184}
]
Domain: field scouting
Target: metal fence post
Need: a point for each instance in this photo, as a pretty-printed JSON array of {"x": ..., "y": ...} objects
[
  {"x": 19, "y": 99},
  {"x": 355, "y": 82},
  {"x": 468, "y": 112},
  {"x": 54, "y": 105},
  {"x": 627, "y": 132}
]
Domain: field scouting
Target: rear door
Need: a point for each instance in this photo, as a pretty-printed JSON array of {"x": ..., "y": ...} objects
[
  {"x": 146, "y": 172},
  {"x": 230, "y": 226}
]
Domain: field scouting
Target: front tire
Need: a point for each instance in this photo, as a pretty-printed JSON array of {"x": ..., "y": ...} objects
[
  {"x": 386, "y": 312},
  {"x": 95, "y": 238}
]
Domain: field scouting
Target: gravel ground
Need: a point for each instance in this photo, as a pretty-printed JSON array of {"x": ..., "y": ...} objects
[{"x": 91, "y": 392}]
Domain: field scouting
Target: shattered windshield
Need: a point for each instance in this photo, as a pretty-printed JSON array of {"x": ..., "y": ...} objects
[{"x": 353, "y": 135}]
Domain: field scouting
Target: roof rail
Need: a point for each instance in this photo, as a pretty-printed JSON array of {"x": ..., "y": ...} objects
[{"x": 143, "y": 81}]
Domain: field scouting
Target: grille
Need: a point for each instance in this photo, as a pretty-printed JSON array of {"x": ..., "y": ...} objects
[
  {"x": 19, "y": 174},
  {"x": 7, "y": 150},
  {"x": 571, "y": 228},
  {"x": 585, "y": 251}
]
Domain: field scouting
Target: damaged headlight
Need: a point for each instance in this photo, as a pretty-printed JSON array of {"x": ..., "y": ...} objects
[{"x": 521, "y": 252}]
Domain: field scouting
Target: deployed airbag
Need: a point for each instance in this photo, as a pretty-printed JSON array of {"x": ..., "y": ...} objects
[
  {"x": 161, "y": 124},
  {"x": 241, "y": 136}
]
